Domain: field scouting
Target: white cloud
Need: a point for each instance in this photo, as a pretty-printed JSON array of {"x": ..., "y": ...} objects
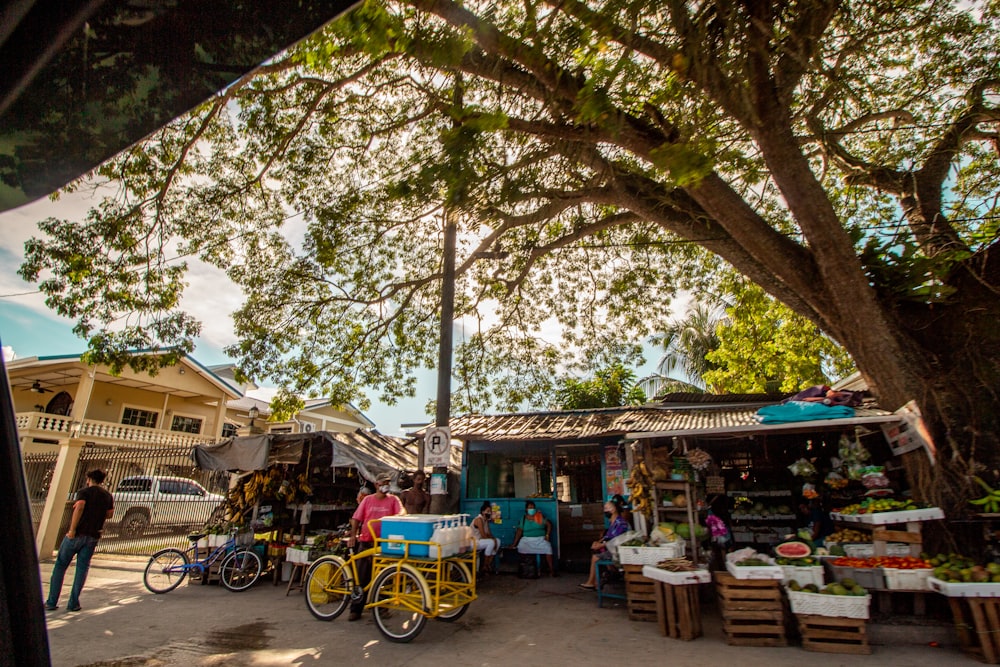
[
  {"x": 210, "y": 296},
  {"x": 8, "y": 353}
]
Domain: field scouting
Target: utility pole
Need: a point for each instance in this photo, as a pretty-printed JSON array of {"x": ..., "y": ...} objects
[{"x": 440, "y": 503}]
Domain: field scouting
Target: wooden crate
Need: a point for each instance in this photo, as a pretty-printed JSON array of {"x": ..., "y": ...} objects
[
  {"x": 977, "y": 623},
  {"x": 640, "y": 594},
  {"x": 833, "y": 634},
  {"x": 753, "y": 611},
  {"x": 678, "y": 610}
]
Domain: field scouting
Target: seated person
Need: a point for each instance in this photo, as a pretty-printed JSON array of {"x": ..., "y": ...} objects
[
  {"x": 617, "y": 526},
  {"x": 534, "y": 534},
  {"x": 623, "y": 508},
  {"x": 485, "y": 541}
]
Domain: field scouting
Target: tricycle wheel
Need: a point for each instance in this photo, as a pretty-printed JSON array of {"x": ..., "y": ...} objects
[
  {"x": 328, "y": 587},
  {"x": 401, "y": 600},
  {"x": 457, "y": 573}
]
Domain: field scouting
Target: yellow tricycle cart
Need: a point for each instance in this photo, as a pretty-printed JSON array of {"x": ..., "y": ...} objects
[{"x": 423, "y": 566}]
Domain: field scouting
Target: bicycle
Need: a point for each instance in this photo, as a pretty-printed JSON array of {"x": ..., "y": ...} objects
[
  {"x": 240, "y": 569},
  {"x": 403, "y": 593}
]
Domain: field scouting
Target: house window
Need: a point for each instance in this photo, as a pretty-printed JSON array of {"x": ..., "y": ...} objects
[
  {"x": 229, "y": 430},
  {"x": 185, "y": 424},
  {"x": 137, "y": 417}
]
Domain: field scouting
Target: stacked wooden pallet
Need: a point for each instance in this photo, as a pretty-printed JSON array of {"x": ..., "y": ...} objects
[
  {"x": 678, "y": 611},
  {"x": 753, "y": 611},
  {"x": 640, "y": 594},
  {"x": 833, "y": 634}
]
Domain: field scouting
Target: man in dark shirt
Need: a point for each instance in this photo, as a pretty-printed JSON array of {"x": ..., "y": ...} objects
[{"x": 93, "y": 506}]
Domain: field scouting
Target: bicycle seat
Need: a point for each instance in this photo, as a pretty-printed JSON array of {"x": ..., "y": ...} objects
[{"x": 195, "y": 537}]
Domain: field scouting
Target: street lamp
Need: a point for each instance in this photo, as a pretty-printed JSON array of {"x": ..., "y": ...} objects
[{"x": 253, "y": 412}]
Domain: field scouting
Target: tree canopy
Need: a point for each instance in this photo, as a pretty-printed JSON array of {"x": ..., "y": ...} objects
[{"x": 842, "y": 155}]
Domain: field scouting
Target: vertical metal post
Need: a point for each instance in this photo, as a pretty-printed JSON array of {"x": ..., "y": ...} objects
[{"x": 440, "y": 502}]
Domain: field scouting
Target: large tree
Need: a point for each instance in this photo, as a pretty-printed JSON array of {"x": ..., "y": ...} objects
[{"x": 840, "y": 154}]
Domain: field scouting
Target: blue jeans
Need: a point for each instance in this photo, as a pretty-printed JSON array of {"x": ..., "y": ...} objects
[{"x": 83, "y": 548}]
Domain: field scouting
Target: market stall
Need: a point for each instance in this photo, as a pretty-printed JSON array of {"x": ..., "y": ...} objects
[{"x": 296, "y": 491}]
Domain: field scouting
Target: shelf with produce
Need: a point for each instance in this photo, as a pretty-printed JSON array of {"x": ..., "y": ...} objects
[
  {"x": 736, "y": 493},
  {"x": 668, "y": 491}
]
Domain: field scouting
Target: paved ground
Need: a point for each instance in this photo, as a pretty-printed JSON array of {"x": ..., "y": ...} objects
[{"x": 516, "y": 622}]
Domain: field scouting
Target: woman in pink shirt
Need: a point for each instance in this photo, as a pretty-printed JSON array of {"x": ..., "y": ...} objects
[{"x": 373, "y": 506}]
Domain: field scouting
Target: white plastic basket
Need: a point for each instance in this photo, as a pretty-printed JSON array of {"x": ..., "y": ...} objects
[
  {"x": 755, "y": 571},
  {"x": 954, "y": 589},
  {"x": 818, "y": 604},
  {"x": 907, "y": 580},
  {"x": 802, "y": 575},
  {"x": 677, "y": 578},
  {"x": 650, "y": 555},
  {"x": 868, "y": 550}
]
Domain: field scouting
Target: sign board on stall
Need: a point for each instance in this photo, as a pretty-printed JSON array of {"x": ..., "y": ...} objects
[
  {"x": 909, "y": 434},
  {"x": 437, "y": 446},
  {"x": 439, "y": 484}
]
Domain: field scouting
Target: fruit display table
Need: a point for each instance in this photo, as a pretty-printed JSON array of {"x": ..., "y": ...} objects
[
  {"x": 882, "y": 536},
  {"x": 976, "y": 610}
]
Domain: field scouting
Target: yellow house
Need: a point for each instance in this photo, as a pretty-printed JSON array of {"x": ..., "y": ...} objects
[
  {"x": 317, "y": 415},
  {"x": 62, "y": 404}
]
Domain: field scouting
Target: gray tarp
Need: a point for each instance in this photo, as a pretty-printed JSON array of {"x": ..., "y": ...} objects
[
  {"x": 369, "y": 452},
  {"x": 244, "y": 453}
]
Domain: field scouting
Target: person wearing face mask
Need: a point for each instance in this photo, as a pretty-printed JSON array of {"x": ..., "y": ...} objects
[
  {"x": 373, "y": 506},
  {"x": 534, "y": 535},
  {"x": 485, "y": 541},
  {"x": 616, "y": 526}
]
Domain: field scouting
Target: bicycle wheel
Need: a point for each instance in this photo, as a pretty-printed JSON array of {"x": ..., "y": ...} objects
[
  {"x": 165, "y": 570},
  {"x": 240, "y": 570},
  {"x": 401, "y": 602},
  {"x": 458, "y": 573},
  {"x": 328, "y": 587}
]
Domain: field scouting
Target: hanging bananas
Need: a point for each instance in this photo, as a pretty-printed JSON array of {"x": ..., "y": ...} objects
[
  {"x": 990, "y": 503},
  {"x": 640, "y": 484}
]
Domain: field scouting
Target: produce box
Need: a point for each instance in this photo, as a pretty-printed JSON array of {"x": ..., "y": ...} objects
[
  {"x": 677, "y": 578},
  {"x": 809, "y": 574},
  {"x": 650, "y": 555},
  {"x": 906, "y": 580},
  {"x": 867, "y": 550},
  {"x": 818, "y": 604},
  {"x": 397, "y": 530},
  {"x": 866, "y": 577},
  {"x": 296, "y": 555},
  {"x": 963, "y": 590},
  {"x": 882, "y": 518},
  {"x": 755, "y": 571}
]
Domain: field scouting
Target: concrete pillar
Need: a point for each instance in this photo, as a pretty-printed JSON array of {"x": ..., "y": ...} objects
[
  {"x": 60, "y": 492},
  {"x": 220, "y": 417}
]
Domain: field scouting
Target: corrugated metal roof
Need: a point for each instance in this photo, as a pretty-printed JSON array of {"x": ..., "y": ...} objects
[{"x": 638, "y": 422}]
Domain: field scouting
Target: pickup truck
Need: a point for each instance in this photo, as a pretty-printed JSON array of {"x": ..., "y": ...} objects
[{"x": 142, "y": 501}]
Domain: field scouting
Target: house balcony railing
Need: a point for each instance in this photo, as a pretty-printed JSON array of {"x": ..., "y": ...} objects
[{"x": 44, "y": 426}]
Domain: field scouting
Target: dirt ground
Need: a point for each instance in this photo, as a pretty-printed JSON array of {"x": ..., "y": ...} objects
[{"x": 543, "y": 622}]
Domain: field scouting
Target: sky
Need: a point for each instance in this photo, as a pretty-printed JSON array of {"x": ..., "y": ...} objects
[{"x": 28, "y": 328}]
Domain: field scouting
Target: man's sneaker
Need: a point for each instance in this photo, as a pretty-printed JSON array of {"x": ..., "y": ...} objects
[
  {"x": 50, "y": 607},
  {"x": 354, "y": 616},
  {"x": 76, "y": 608}
]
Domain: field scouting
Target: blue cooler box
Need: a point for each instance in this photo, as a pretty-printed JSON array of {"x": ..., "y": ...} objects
[{"x": 414, "y": 527}]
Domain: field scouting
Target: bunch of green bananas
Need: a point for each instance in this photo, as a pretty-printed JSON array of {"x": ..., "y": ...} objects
[{"x": 990, "y": 503}]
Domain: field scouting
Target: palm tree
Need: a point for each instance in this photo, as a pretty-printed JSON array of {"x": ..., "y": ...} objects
[{"x": 687, "y": 342}]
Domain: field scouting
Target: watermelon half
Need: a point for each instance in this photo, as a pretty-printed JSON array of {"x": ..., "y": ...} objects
[{"x": 793, "y": 549}]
